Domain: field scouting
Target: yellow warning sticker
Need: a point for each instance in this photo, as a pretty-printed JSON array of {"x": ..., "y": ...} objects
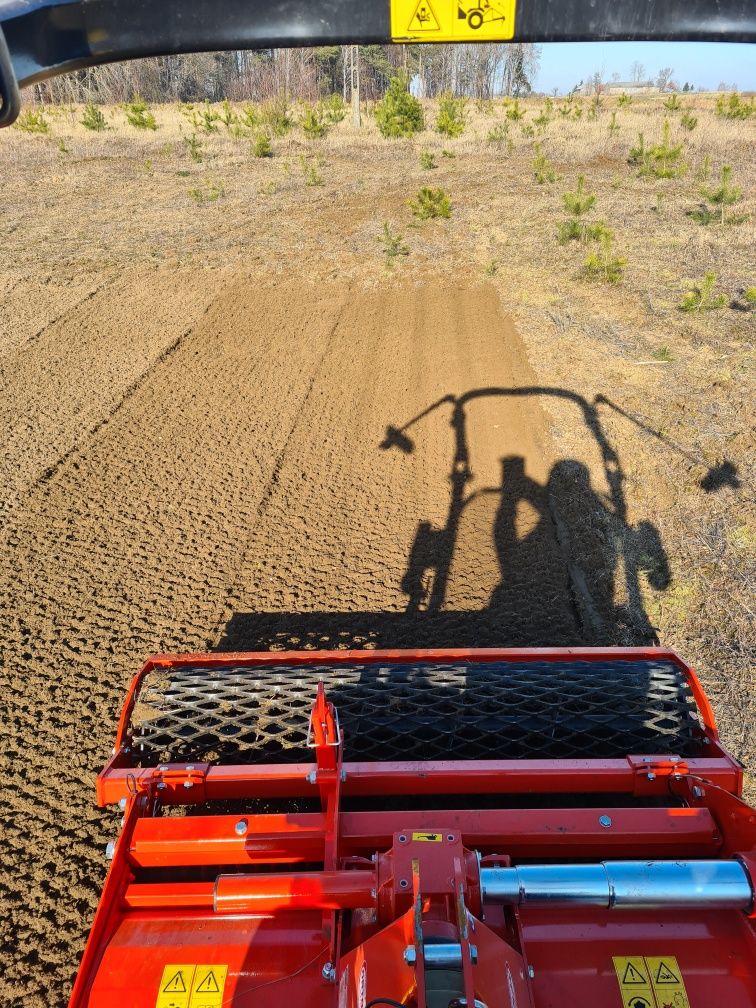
[
  {"x": 452, "y": 20},
  {"x": 175, "y": 986},
  {"x": 207, "y": 986},
  {"x": 427, "y": 837},
  {"x": 187, "y": 985},
  {"x": 634, "y": 982},
  {"x": 667, "y": 981},
  {"x": 650, "y": 982}
]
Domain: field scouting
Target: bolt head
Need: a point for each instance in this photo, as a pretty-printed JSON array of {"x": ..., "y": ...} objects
[
  {"x": 651, "y": 775},
  {"x": 122, "y": 804},
  {"x": 110, "y": 849},
  {"x": 329, "y": 973},
  {"x": 605, "y": 821},
  {"x": 190, "y": 767},
  {"x": 531, "y": 972},
  {"x": 188, "y": 784},
  {"x": 241, "y": 827},
  {"x": 312, "y": 777},
  {"x": 410, "y": 955},
  {"x": 697, "y": 791}
]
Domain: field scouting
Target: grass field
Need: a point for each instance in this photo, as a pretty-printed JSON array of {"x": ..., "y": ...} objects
[{"x": 208, "y": 360}]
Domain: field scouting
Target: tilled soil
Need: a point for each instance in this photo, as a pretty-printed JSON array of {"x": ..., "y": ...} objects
[{"x": 225, "y": 465}]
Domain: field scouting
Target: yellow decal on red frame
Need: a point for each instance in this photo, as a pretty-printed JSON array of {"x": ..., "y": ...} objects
[
  {"x": 634, "y": 982},
  {"x": 650, "y": 982},
  {"x": 667, "y": 981},
  {"x": 175, "y": 986},
  {"x": 191, "y": 985},
  {"x": 452, "y": 20}
]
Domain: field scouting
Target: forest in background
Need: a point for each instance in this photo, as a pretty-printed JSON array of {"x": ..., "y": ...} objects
[{"x": 478, "y": 71}]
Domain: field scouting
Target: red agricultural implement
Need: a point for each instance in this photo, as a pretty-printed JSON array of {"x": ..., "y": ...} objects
[
  {"x": 456, "y": 829},
  {"x": 509, "y": 829}
]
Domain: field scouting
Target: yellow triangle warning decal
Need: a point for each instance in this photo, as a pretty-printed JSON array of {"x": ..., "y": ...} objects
[
  {"x": 208, "y": 986},
  {"x": 664, "y": 975},
  {"x": 424, "y": 18},
  {"x": 176, "y": 984},
  {"x": 633, "y": 976}
]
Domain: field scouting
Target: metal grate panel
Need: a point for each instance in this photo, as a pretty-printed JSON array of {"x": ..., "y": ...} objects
[{"x": 425, "y": 711}]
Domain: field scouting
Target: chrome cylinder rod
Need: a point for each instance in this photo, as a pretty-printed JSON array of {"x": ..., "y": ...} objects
[{"x": 630, "y": 885}]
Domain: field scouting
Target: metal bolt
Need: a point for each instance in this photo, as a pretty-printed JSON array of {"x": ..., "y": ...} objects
[
  {"x": 122, "y": 804},
  {"x": 651, "y": 775},
  {"x": 329, "y": 973},
  {"x": 410, "y": 955},
  {"x": 697, "y": 791},
  {"x": 110, "y": 849},
  {"x": 190, "y": 766},
  {"x": 605, "y": 821},
  {"x": 161, "y": 786},
  {"x": 343, "y": 776},
  {"x": 188, "y": 784},
  {"x": 403, "y": 883},
  {"x": 531, "y": 972},
  {"x": 402, "y": 838},
  {"x": 312, "y": 777},
  {"x": 241, "y": 827}
]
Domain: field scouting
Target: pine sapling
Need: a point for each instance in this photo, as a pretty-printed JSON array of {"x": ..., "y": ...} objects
[
  {"x": 93, "y": 119},
  {"x": 637, "y": 154},
  {"x": 514, "y": 112},
  {"x": 261, "y": 147},
  {"x": 32, "y": 121},
  {"x": 138, "y": 115},
  {"x": 393, "y": 244},
  {"x": 430, "y": 203},
  {"x": 724, "y": 195},
  {"x": 603, "y": 264},
  {"x": 701, "y": 296},
  {"x": 542, "y": 167},
  {"x": 314, "y": 124},
  {"x": 399, "y": 114},
  {"x": 194, "y": 146},
  {"x": 451, "y": 116},
  {"x": 664, "y": 159},
  {"x": 733, "y": 107}
]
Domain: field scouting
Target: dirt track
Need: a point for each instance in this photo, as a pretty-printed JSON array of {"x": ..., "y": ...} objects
[{"x": 221, "y": 471}]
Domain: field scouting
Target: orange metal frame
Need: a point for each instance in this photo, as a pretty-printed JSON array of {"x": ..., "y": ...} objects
[{"x": 320, "y": 907}]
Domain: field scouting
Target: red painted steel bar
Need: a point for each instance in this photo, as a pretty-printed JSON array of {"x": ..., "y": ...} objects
[
  {"x": 328, "y": 890},
  {"x": 296, "y": 838}
]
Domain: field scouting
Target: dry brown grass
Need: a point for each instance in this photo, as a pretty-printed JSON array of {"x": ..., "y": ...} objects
[{"x": 684, "y": 383}]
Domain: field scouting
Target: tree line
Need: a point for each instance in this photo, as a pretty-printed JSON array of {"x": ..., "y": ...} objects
[{"x": 479, "y": 71}]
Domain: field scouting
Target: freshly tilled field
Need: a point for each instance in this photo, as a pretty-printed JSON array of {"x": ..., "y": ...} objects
[{"x": 233, "y": 426}]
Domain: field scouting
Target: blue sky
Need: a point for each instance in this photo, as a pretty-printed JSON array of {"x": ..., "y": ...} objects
[{"x": 701, "y": 63}]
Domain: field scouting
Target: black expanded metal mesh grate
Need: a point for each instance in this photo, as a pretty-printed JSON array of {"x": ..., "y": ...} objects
[{"x": 500, "y": 710}]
